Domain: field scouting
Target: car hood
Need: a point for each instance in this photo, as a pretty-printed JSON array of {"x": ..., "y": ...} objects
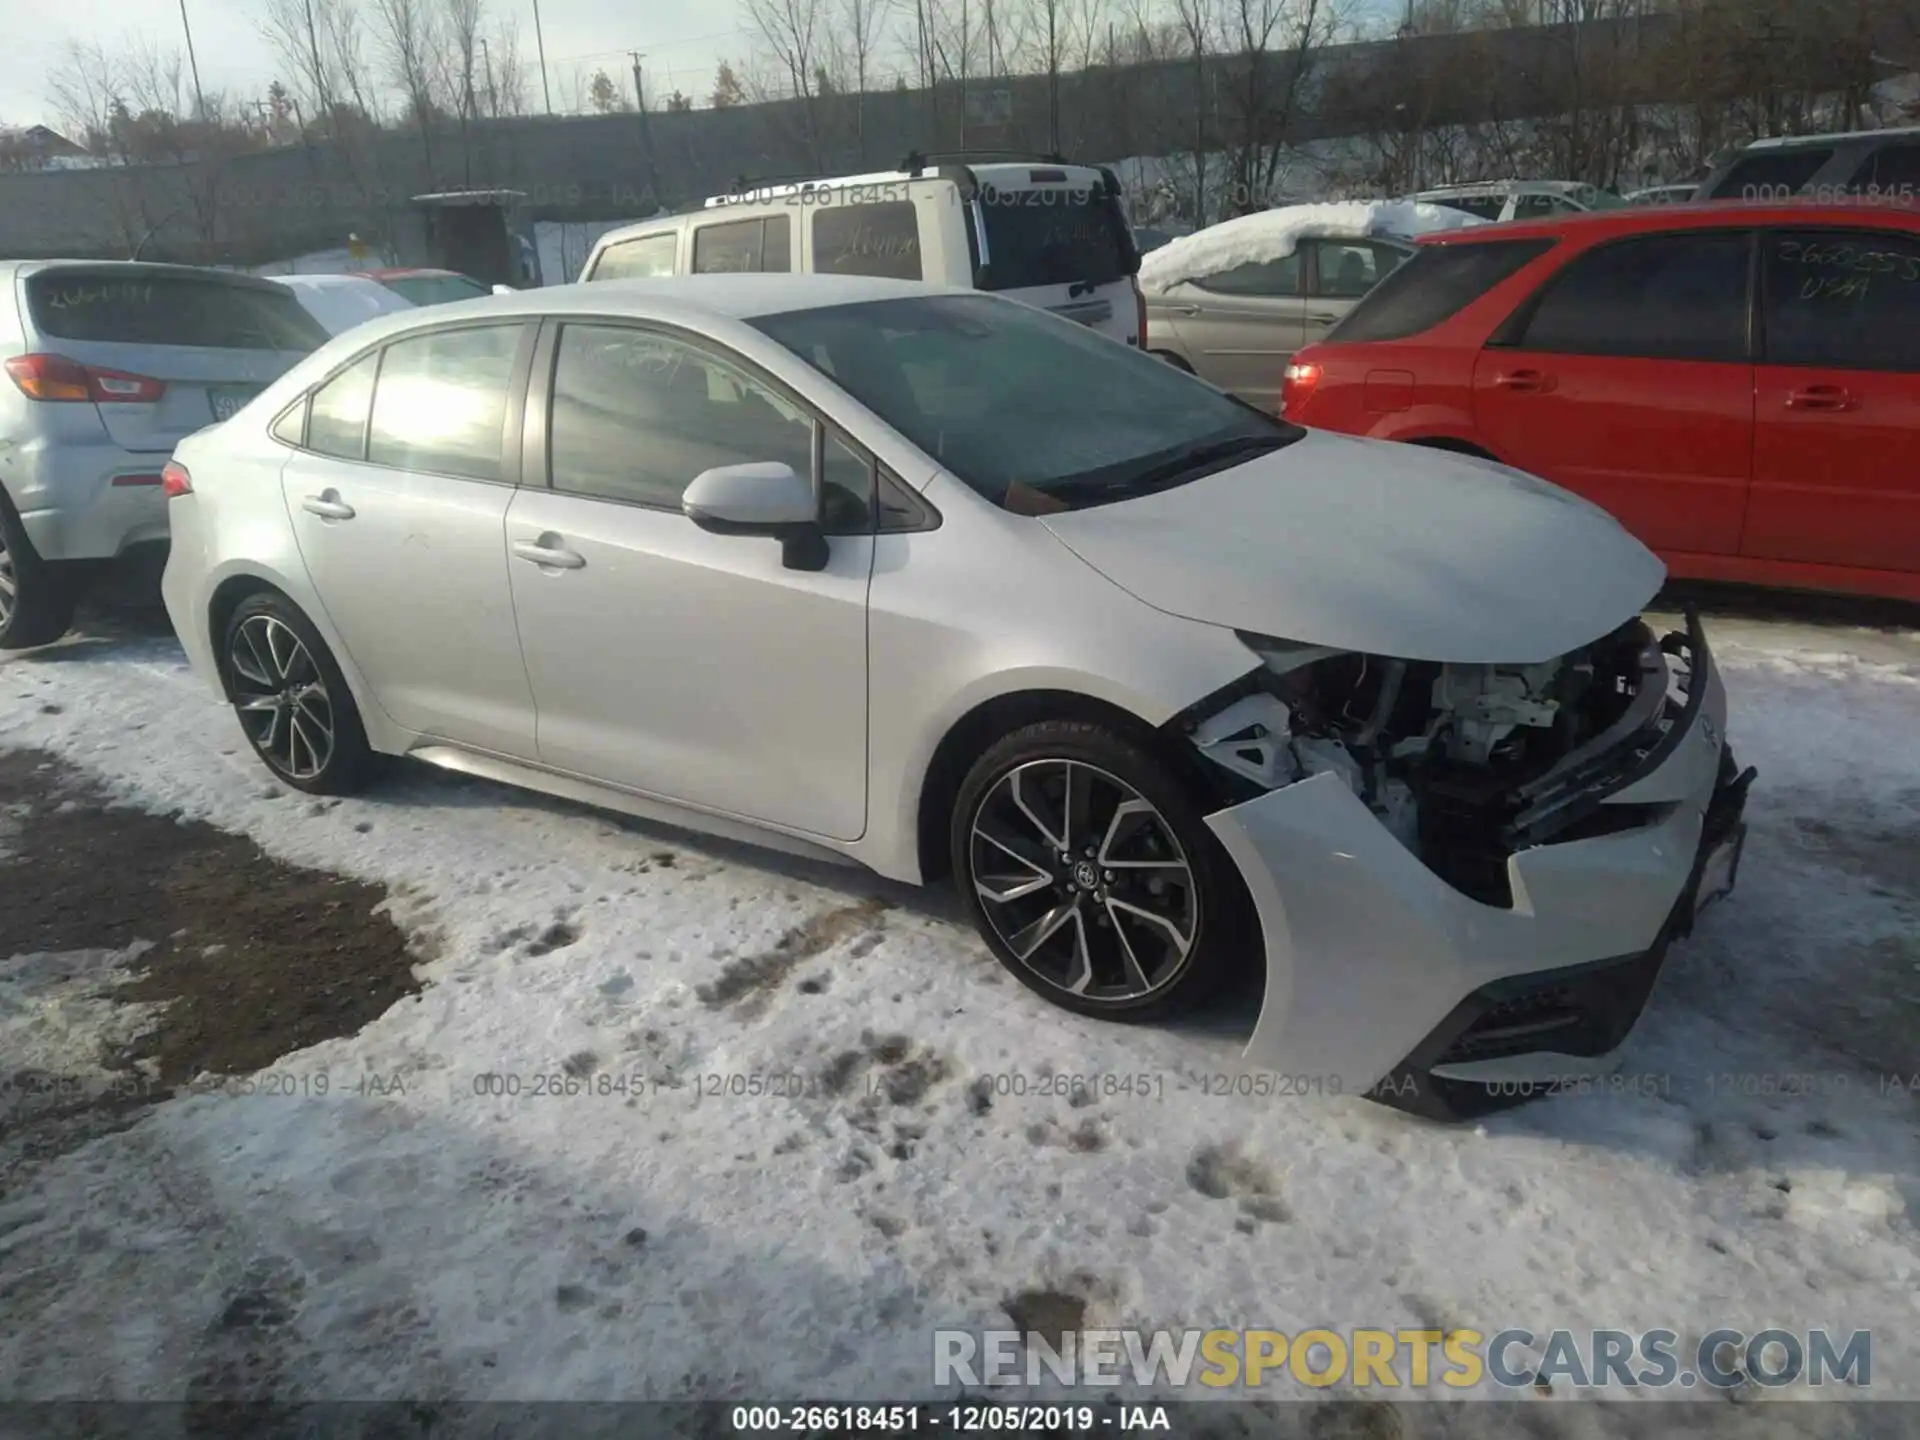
[{"x": 1384, "y": 548}]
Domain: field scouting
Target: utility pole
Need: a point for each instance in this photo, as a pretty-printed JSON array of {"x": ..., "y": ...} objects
[
  {"x": 546, "y": 87},
  {"x": 199, "y": 99},
  {"x": 646, "y": 135}
]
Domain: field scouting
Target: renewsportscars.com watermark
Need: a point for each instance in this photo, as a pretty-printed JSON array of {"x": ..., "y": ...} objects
[{"x": 1410, "y": 1359}]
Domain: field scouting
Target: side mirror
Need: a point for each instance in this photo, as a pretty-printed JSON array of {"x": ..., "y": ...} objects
[
  {"x": 504, "y": 290},
  {"x": 765, "y": 497}
]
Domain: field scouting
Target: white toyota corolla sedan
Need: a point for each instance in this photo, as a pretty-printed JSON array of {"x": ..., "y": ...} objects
[{"x": 940, "y": 583}]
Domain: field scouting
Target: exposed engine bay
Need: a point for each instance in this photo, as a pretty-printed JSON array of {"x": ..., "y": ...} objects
[{"x": 1464, "y": 764}]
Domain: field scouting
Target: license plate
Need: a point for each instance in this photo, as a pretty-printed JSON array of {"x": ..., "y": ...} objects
[
  {"x": 228, "y": 400},
  {"x": 1721, "y": 868}
]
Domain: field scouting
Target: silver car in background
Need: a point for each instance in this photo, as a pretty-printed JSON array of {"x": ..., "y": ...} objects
[
  {"x": 1239, "y": 325},
  {"x": 937, "y": 582},
  {"x": 109, "y": 365}
]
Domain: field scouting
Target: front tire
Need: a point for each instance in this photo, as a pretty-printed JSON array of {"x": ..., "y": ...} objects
[
  {"x": 1091, "y": 874},
  {"x": 37, "y": 598},
  {"x": 292, "y": 700}
]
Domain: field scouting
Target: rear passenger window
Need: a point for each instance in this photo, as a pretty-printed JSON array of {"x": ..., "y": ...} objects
[
  {"x": 1843, "y": 300},
  {"x": 1668, "y": 297},
  {"x": 1891, "y": 167},
  {"x": 744, "y": 246},
  {"x": 441, "y": 402},
  {"x": 337, "y": 415},
  {"x": 879, "y": 239},
  {"x": 1771, "y": 174},
  {"x": 1435, "y": 284},
  {"x": 647, "y": 258},
  {"x": 1539, "y": 207},
  {"x": 1347, "y": 269},
  {"x": 1487, "y": 207}
]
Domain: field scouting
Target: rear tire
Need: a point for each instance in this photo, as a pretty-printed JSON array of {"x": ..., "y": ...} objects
[
  {"x": 37, "y": 597},
  {"x": 291, "y": 699},
  {"x": 1118, "y": 902}
]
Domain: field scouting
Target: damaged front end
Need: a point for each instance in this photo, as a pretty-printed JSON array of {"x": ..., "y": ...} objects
[{"x": 1467, "y": 875}]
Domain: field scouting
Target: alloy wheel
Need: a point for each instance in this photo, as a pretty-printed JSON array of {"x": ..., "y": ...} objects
[
  {"x": 1084, "y": 881},
  {"x": 9, "y": 585},
  {"x": 281, "y": 697}
]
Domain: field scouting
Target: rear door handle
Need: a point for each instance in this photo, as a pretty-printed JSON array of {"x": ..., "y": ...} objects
[
  {"x": 1526, "y": 382},
  {"x": 1821, "y": 397},
  {"x": 547, "y": 551},
  {"x": 1187, "y": 310},
  {"x": 1323, "y": 319},
  {"x": 327, "y": 505}
]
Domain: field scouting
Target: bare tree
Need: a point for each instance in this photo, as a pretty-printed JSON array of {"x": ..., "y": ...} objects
[
  {"x": 506, "y": 72},
  {"x": 407, "y": 34},
  {"x": 459, "y": 28},
  {"x": 861, "y": 24},
  {"x": 795, "y": 31}
]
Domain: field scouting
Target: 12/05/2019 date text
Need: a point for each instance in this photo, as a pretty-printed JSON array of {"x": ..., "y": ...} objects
[{"x": 959, "y": 1419}]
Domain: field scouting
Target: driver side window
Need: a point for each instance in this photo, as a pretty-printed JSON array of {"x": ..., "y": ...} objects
[{"x": 636, "y": 415}]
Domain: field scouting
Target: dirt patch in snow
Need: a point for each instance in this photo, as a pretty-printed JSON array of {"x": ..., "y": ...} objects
[{"x": 138, "y": 952}]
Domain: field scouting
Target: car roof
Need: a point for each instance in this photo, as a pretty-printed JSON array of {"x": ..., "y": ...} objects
[
  {"x": 16, "y": 269},
  {"x": 679, "y": 297},
  {"x": 1789, "y": 142},
  {"x": 331, "y": 280},
  {"x": 1508, "y": 187},
  {"x": 1698, "y": 214},
  {"x": 401, "y": 272}
]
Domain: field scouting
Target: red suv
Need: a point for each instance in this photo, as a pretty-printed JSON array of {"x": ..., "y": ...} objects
[{"x": 1739, "y": 384}]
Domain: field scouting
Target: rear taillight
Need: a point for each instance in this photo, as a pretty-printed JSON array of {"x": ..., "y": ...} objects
[
  {"x": 1140, "y": 312},
  {"x": 55, "y": 377},
  {"x": 1296, "y": 389},
  {"x": 175, "y": 480}
]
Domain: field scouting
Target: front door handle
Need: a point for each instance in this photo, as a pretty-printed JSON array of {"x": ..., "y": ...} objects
[
  {"x": 1323, "y": 319},
  {"x": 1821, "y": 397},
  {"x": 1526, "y": 382},
  {"x": 549, "y": 553},
  {"x": 327, "y": 505}
]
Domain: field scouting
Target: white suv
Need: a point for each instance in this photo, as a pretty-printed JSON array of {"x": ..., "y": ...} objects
[
  {"x": 111, "y": 364},
  {"x": 1497, "y": 200},
  {"x": 1043, "y": 231}
]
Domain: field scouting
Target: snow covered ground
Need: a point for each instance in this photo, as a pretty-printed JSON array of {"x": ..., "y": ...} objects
[{"x": 431, "y": 1241}]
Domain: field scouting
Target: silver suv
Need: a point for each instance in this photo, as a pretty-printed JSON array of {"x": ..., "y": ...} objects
[{"x": 108, "y": 366}]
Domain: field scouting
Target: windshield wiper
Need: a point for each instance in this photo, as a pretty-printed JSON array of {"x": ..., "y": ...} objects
[{"x": 1188, "y": 465}]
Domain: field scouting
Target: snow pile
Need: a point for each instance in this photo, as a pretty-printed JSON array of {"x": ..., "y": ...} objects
[{"x": 1273, "y": 235}]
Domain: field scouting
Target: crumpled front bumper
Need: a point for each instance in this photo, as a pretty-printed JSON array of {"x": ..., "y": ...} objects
[{"x": 1380, "y": 974}]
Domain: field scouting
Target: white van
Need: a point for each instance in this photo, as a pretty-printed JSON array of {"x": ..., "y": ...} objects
[{"x": 1044, "y": 231}]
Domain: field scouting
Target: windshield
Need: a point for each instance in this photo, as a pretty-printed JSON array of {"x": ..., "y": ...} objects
[
  {"x": 1597, "y": 199},
  {"x": 1036, "y": 413},
  {"x": 136, "y": 307},
  {"x": 435, "y": 289},
  {"x": 1052, "y": 235}
]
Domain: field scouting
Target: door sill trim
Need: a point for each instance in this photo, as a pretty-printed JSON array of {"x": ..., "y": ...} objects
[{"x": 565, "y": 785}]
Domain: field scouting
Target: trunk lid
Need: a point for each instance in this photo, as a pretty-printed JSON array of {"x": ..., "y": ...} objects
[{"x": 214, "y": 340}]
